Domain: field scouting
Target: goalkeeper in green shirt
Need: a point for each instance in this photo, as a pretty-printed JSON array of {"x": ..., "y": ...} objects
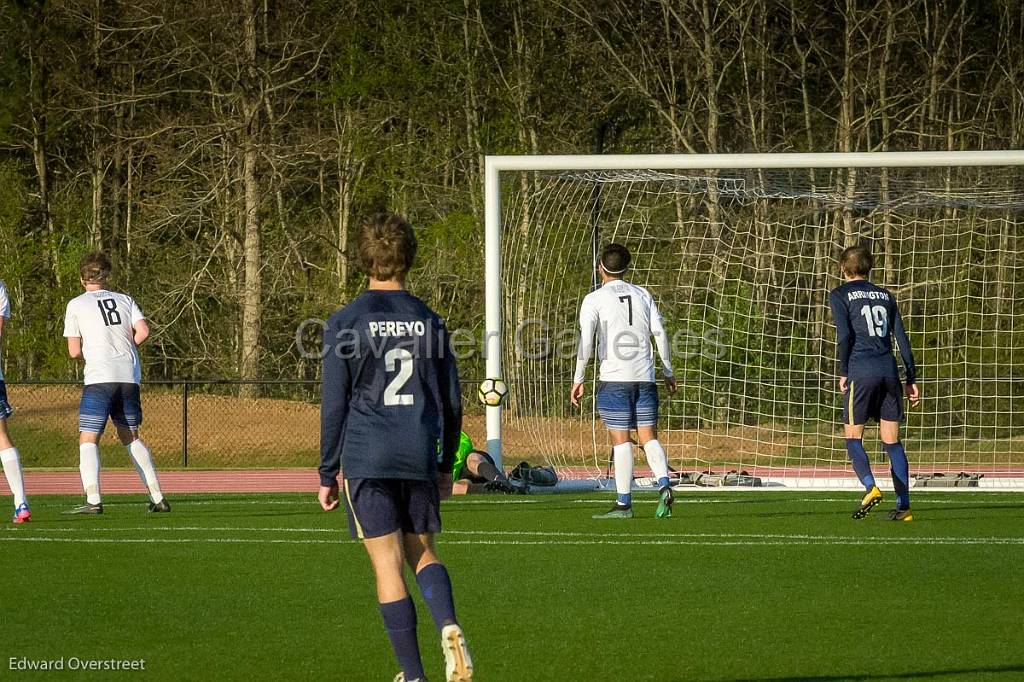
[{"x": 477, "y": 467}]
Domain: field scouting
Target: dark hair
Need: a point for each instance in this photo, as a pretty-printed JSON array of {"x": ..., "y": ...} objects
[
  {"x": 615, "y": 259},
  {"x": 95, "y": 267},
  {"x": 856, "y": 261},
  {"x": 387, "y": 246}
]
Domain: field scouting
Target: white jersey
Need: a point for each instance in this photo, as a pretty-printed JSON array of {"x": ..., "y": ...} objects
[
  {"x": 625, "y": 317},
  {"x": 5, "y": 312},
  {"x": 105, "y": 322}
]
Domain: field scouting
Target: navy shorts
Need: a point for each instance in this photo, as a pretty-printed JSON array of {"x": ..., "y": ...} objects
[
  {"x": 873, "y": 398},
  {"x": 5, "y": 407},
  {"x": 627, "y": 405},
  {"x": 381, "y": 506},
  {"x": 118, "y": 402}
]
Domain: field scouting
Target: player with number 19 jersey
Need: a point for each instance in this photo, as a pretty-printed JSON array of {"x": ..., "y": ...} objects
[{"x": 867, "y": 321}]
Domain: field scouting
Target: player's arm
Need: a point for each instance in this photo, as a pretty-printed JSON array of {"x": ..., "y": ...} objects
[
  {"x": 139, "y": 325},
  {"x": 844, "y": 336},
  {"x": 5, "y": 309},
  {"x": 334, "y": 402},
  {"x": 72, "y": 333},
  {"x": 899, "y": 333},
  {"x": 661, "y": 343},
  {"x": 451, "y": 409},
  {"x": 588, "y": 325}
]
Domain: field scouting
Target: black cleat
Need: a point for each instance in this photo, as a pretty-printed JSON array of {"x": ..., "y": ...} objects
[
  {"x": 161, "y": 506},
  {"x": 500, "y": 485},
  {"x": 87, "y": 508}
]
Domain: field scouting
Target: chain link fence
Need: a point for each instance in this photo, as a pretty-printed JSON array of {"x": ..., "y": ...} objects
[{"x": 202, "y": 424}]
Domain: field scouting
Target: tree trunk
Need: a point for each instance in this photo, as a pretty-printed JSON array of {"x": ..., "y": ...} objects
[{"x": 252, "y": 291}]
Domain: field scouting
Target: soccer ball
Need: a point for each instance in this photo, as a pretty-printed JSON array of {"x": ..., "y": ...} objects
[{"x": 492, "y": 392}]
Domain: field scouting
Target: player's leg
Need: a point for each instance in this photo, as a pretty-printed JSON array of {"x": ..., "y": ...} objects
[
  {"x": 93, "y": 412},
  {"x": 889, "y": 432},
  {"x": 857, "y": 409},
  {"x": 422, "y": 519},
  {"x": 436, "y": 587},
  {"x": 126, "y": 413},
  {"x": 481, "y": 469},
  {"x": 12, "y": 462},
  {"x": 372, "y": 507},
  {"x": 616, "y": 405},
  {"x": 396, "y": 606},
  {"x": 647, "y": 434}
]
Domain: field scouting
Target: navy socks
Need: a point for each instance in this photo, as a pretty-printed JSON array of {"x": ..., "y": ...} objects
[
  {"x": 400, "y": 622},
  {"x": 861, "y": 465},
  {"x": 436, "y": 588},
  {"x": 900, "y": 473}
]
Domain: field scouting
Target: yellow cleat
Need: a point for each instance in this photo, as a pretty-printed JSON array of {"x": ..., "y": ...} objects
[
  {"x": 901, "y": 515},
  {"x": 870, "y": 499}
]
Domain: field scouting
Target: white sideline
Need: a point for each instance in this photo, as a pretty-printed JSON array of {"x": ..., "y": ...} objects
[{"x": 545, "y": 542}]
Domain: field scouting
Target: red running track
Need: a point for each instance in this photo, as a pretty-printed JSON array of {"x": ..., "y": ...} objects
[{"x": 232, "y": 481}]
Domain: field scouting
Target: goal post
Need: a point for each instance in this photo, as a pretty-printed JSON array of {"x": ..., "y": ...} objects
[{"x": 657, "y": 193}]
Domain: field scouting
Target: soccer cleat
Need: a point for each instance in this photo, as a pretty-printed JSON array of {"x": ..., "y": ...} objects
[
  {"x": 664, "y": 503},
  {"x": 400, "y": 677},
  {"x": 458, "y": 666},
  {"x": 868, "y": 502},
  {"x": 87, "y": 508},
  {"x": 22, "y": 514},
  {"x": 619, "y": 511},
  {"x": 901, "y": 515},
  {"x": 500, "y": 485},
  {"x": 161, "y": 506}
]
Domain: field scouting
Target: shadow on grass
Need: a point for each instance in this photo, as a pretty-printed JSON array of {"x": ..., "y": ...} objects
[{"x": 1014, "y": 670}]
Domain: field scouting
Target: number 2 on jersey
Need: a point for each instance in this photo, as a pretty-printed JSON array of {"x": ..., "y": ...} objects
[
  {"x": 402, "y": 358},
  {"x": 877, "y": 319},
  {"x": 628, "y": 300},
  {"x": 108, "y": 309}
]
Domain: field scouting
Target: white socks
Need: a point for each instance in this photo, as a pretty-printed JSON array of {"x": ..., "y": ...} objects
[
  {"x": 656, "y": 459},
  {"x": 623, "y": 458},
  {"x": 12, "y": 470},
  {"x": 89, "y": 466},
  {"x": 143, "y": 459}
]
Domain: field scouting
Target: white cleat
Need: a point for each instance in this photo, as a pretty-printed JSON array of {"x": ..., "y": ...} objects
[{"x": 458, "y": 665}]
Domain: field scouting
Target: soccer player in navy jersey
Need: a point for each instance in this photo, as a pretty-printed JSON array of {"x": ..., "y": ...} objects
[
  {"x": 867, "y": 321},
  {"x": 391, "y": 416}
]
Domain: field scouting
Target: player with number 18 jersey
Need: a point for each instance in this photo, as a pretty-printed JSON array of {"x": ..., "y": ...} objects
[{"x": 105, "y": 328}]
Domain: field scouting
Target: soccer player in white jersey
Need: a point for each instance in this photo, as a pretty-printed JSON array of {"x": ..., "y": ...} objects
[
  {"x": 9, "y": 453},
  {"x": 625, "y": 317},
  {"x": 106, "y": 328}
]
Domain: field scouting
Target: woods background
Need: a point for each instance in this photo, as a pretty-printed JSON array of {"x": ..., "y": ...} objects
[{"x": 224, "y": 152}]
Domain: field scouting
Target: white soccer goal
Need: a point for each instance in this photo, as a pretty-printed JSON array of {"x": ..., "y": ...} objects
[{"x": 739, "y": 251}]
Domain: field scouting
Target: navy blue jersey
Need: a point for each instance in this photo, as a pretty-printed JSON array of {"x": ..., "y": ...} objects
[
  {"x": 867, "y": 320},
  {"x": 391, "y": 406}
]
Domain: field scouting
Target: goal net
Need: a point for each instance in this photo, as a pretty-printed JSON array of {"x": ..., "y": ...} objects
[{"x": 740, "y": 261}]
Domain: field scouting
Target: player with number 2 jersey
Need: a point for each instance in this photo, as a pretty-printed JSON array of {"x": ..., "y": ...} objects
[{"x": 390, "y": 420}]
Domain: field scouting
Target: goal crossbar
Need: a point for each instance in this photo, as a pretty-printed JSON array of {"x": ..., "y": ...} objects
[{"x": 495, "y": 165}]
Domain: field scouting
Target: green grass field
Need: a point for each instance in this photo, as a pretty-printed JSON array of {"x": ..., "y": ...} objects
[{"x": 737, "y": 586}]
